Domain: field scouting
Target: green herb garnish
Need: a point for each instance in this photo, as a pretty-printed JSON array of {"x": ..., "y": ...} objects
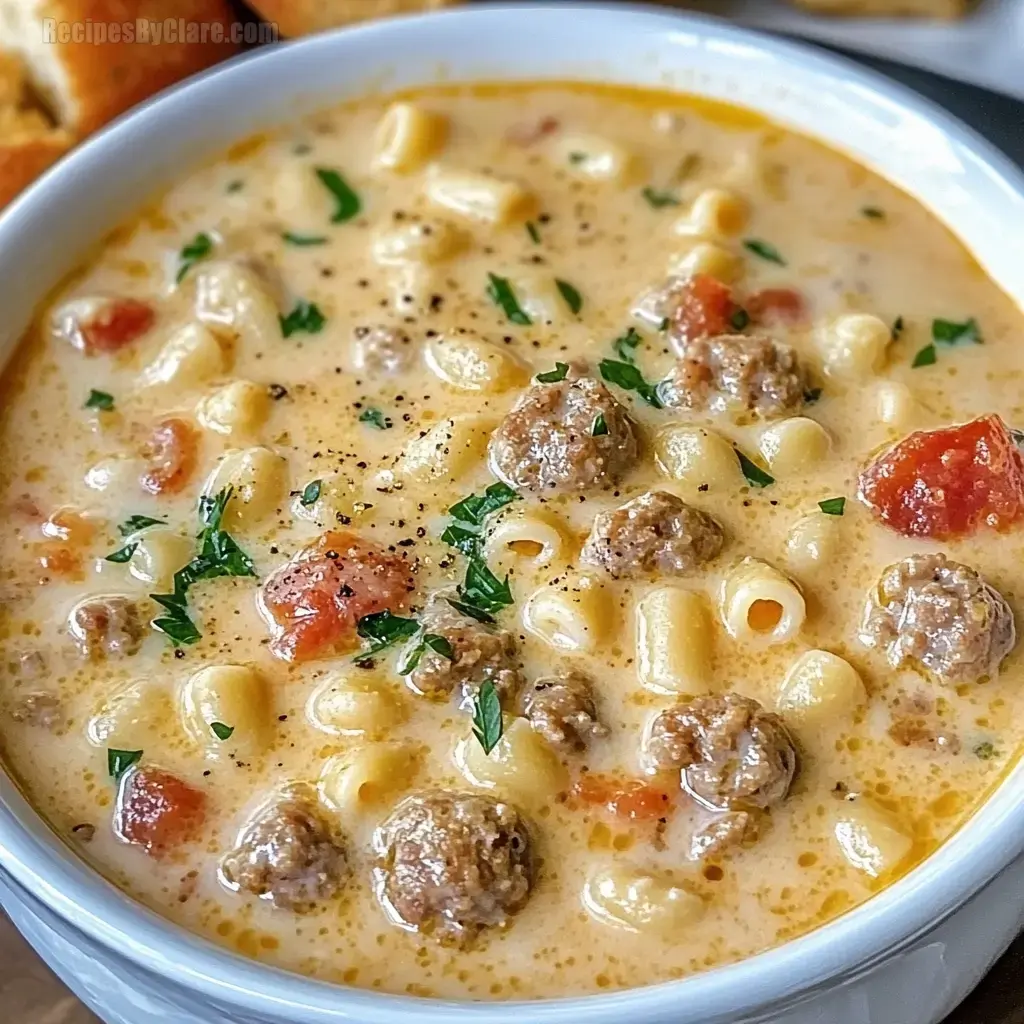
[
  {"x": 658, "y": 199},
  {"x": 198, "y": 249},
  {"x": 133, "y": 524},
  {"x": 832, "y": 506},
  {"x": 375, "y": 418},
  {"x": 629, "y": 378},
  {"x": 469, "y": 610},
  {"x": 740, "y": 319},
  {"x": 577, "y": 157},
  {"x": 949, "y": 332},
  {"x": 756, "y": 476},
  {"x": 306, "y": 317},
  {"x": 435, "y": 642},
  {"x": 897, "y": 328},
  {"x": 221, "y": 731},
  {"x": 470, "y": 513},
  {"x": 348, "y": 202},
  {"x": 487, "y": 722},
  {"x": 811, "y": 395},
  {"x": 301, "y": 240},
  {"x": 119, "y": 761},
  {"x": 572, "y": 297},
  {"x": 99, "y": 400},
  {"x": 500, "y": 292},
  {"x": 553, "y": 376},
  {"x": 764, "y": 250},
  {"x": 533, "y": 232},
  {"x": 235, "y": 186},
  {"x": 873, "y": 212},
  {"x": 986, "y": 751},
  {"x": 925, "y": 357},
  {"x": 625, "y": 344},
  {"x": 383, "y": 630},
  {"x": 600, "y": 427},
  {"x": 122, "y": 555},
  {"x": 311, "y": 493}
]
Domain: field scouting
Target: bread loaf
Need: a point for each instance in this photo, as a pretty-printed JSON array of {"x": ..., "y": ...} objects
[{"x": 300, "y": 17}]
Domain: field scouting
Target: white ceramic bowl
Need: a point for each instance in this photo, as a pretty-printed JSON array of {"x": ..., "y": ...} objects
[{"x": 905, "y": 957}]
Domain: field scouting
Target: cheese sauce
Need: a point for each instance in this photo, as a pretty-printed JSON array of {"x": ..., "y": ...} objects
[{"x": 497, "y": 233}]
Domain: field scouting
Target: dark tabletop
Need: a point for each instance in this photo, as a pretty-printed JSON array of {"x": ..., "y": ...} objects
[{"x": 32, "y": 996}]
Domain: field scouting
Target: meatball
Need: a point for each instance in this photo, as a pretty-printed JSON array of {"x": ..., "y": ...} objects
[
  {"x": 106, "y": 627},
  {"x": 935, "y": 613},
  {"x": 733, "y": 755},
  {"x": 737, "y": 374},
  {"x": 548, "y": 442},
  {"x": 654, "y": 534},
  {"x": 480, "y": 653},
  {"x": 561, "y": 708},
  {"x": 287, "y": 855},
  {"x": 381, "y": 350},
  {"x": 452, "y": 864},
  {"x": 40, "y": 709}
]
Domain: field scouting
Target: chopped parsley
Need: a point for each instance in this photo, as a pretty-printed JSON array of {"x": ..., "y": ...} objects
[
  {"x": 756, "y": 476},
  {"x": 219, "y": 555},
  {"x": 629, "y": 378},
  {"x": 133, "y": 524},
  {"x": 658, "y": 199},
  {"x": 119, "y": 761},
  {"x": 553, "y": 376},
  {"x": 470, "y": 513},
  {"x": 311, "y": 493},
  {"x": 469, "y": 610},
  {"x": 665, "y": 321},
  {"x": 600, "y": 427},
  {"x": 949, "y": 332},
  {"x": 897, "y": 328},
  {"x": 832, "y": 506},
  {"x": 625, "y": 345},
  {"x": 375, "y": 418},
  {"x": 435, "y": 642},
  {"x": 221, "y": 731},
  {"x": 811, "y": 395},
  {"x": 740, "y": 319},
  {"x": 500, "y": 292},
  {"x": 383, "y": 630},
  {"x": 348, "y": 202},
  {"x": 487, "y": 722},
  {"x": 572, "y": 297},
  {"x": 924, "y": 357},
  {"x": 198, "y": 249},
  {"x": 763, "y": 249},
  {"x": 533, "y": 232},
  {"x": 235, "y": 186},
  {"x": 122, "y": 555},
  {"x": 986, "y": 751},
  {"x": 576, "y": 157},
  {"x": 872, "y": 212},
  {"x": 99, "y": 400},
  {"x": 305, "y": 317},
  {"x": 301, "y": 240}
]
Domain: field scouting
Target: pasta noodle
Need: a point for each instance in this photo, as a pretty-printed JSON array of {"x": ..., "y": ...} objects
[
  {"x": 257, "y": 477},
  {"x": 673, "y": 641},
  {"x": 760, "y": 603},
  {"x": 368, "y": 778},
  {"x": 190, "y": 357},
  {"x": 795, "y": 445},
  {"x": 640, "y": 902},
  {"x": 479, "y": 197},
  {"x": 349, "y": 703},
  {"x": 468, "y": 363},
  {"x": 407, "y": 137},
  {"x": 573, "y": 615},
  {"x": 819, "y": 688},
  {"x": 225, "y": 710},
  {"x": 870, "y": 839},
  {"x": 855, "y": 345},
  {"x": 533, "y": 537},
  {"x": 238, "y": 408},
  {"x": 697, "y": 457}
]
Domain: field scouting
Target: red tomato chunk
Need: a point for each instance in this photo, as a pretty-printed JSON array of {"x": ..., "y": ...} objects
[
  {"x": 705, "y": 309},
  {"x": 172, "y": 451},
  {"x": 948, "y": 482},
  {"x": 107, "y": 327},
  {"x": 776, "y": 306},
  {"x": 632, "y": 799},
  {"x": 314, "y": 601},
  {"x": 157, "y": 811}
]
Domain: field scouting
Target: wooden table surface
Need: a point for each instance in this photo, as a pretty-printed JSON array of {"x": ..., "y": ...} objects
[{"x": 29, "y": 994}]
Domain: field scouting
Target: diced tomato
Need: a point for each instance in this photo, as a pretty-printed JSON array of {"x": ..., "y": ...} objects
[
  {"x": 157, "y": 811},
  {"x": 172, "y": 451},
  {"x": 527, "y": 134},
  {"x": 105, "y": 326},
  {"x": 704, "y": 310},
  {"x": 948, "y": 482},
  {"x": 776, "y": 305},
  {"x": 314, "y": 601},
  {"x": 626, "y": 798}
]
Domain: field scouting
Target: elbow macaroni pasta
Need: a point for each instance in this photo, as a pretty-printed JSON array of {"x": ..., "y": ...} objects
[
  {"x": 449, "y": 449},
  {"x": 760, "y": 603},
  {"x": 715, "y": 213},
  {"x": 708, "y": 258},
  {"x": 533, "y": 537},
  {"x": 820, "y": 688},
  {"x": 227, "y": 695},
  {"x": 366, "y": 779},
  {"x": 189, "y": 358},
  {"x": 427, "y": 241},
  {"x": 673, "y": 641},
  {"x": 238, "y": 408},
  {"x": 348, "y": 703},
  {"x": 795, "y": 445},
  {"x": 258, "y": 478},
  {"x": 130, "y": 715},
  {"x": 574, "y": 615},
  {"x": 871, "y": 839},
  {"x": 232, "y": 297},
  {"x": 468, "y": 363},
  {"x": 407, "y": 137},
  {"x": 812, "y": 540},
  {"x": 158, "y": 555},
  {"x": 596, "y": 158},
  {"x": 854, "y": 346},
  {"x": 697, "y": 457},
  {"x": 640, "y": 902},
  {"x": 479, "y": 197}
]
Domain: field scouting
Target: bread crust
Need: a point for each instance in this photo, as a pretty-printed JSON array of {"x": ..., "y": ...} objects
[
  {"x": 21, "y": 162},
  {"x": 100, "y": 81},
  {"x": 300, "y": 17}
]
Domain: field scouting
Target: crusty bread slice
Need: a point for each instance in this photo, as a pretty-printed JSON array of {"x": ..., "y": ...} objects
[
  {"x": 300, "y": 17},
  {"x": 84, "y": 84},
  {"x": 28, "y": 141},
  {"x": 889, "y": 8}
]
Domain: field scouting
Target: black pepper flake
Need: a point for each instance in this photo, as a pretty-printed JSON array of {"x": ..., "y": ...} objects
[
  {"x": 346, "y": 590},
  {"x": 332, "y": 555},
  {"x": 179, "y": 653},
  {"x": 276, "y": 391},
  {"x": 274, "y": 549},
  {"x": 436, "y": 302},
  {"x": 282, "y": 718}
]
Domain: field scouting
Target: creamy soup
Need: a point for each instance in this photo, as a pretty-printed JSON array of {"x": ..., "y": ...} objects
[{"x": 580, "y": 530}]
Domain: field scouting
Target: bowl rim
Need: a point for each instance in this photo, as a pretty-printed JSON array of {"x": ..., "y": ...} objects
[{"x": 42, "y": 864}]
